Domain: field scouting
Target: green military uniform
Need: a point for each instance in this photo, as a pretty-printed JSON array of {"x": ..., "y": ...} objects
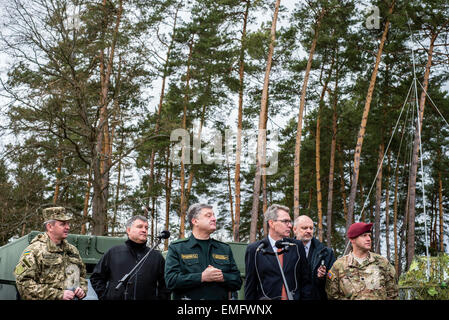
[
  {"x": 46, "y": 269},
  {"x": 373, "y": 279},
  {"x": 185, "y": 261}
]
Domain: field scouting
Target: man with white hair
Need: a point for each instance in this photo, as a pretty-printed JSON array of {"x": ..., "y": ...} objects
[{"x": 320, "y": 257}]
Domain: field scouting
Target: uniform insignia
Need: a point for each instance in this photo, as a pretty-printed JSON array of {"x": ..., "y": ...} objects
[
  {"x": 19, "y": 269},
  {"x": 26, "y": 253},
  {"x": 220, "y": 256},
  {"x": 330, "y": 275},
  {"x": 189, "y": 256},
  {"x": 25, "y": 262}
]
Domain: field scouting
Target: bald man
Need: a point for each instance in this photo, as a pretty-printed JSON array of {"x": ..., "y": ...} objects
[{"x": 320, "y": 257}]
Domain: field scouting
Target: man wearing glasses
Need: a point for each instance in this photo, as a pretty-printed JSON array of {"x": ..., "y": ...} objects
[{"x": 265, "y": 258}]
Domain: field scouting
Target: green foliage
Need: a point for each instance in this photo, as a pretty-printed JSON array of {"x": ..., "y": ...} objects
[{"x": 416, "y": 285}]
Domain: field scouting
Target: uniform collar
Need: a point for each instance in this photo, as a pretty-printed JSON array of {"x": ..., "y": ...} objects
[
  {"x": 193, "y": 242},
  {"x": 53, "y": 247},
  {"x": 353, "y": 262}
]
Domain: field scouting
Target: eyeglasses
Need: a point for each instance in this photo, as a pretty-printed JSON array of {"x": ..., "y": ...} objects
[{"x": 286, "y": 221}]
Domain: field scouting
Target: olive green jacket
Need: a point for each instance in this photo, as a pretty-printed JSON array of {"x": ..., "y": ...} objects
[{"x": 185, "y": 262}]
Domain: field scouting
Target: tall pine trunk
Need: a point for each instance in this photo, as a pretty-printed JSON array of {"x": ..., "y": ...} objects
[
  {"x": 236, "y": 226},
  {"x": 330, "y": 192},
  {"x": 296, "y": 177},
  {"x": 415, "y": 158},
  {"x": 161, "y": 101},
  {"x": 319, "y": 196},
  {"x": 361, "y": 134},
  {"x": 378, "y": 199},
  {"x": 102, "y": 148},
  {"x": 184, "y": 126},
  {"x": 261, "y": 137}
]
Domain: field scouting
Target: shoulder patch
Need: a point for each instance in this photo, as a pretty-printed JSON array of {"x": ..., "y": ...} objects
[
  {"x": 21, "y": 267},
  {"x": 330, "y": 275}
]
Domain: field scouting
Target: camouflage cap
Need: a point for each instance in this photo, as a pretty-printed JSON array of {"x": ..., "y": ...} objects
[{"x": 55, "y": 213}]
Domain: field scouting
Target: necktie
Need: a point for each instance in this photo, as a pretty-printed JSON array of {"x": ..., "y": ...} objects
[{"x": 281, "y": 261}]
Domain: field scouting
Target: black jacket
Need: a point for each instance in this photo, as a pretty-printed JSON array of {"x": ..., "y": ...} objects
[
  {"x": 318, "y": 253},
  {"x": 264, "y": 279},
  {"x": 147, "y": 284}
]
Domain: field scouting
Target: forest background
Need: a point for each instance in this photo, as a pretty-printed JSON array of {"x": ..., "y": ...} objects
[{"x": 347, "y": 99}]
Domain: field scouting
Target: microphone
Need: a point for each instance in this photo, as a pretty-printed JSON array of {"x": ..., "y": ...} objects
[
  {"x": 261, "y": 246},
  {"x": 286, "y": 242},
  {"x": 164, "y": 235}
]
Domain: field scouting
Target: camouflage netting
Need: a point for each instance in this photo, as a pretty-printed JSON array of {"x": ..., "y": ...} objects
[{"x": 414, "y": 285}]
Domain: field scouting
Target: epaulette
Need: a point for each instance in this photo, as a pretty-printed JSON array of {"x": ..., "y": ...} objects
[
  {"x": 180, "y": 240},
  {"x": 219, "y": 241}
]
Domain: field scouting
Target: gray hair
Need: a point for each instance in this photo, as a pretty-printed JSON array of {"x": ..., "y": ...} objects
[
  {"x": 52, "y": 222},
  {"x": 272, "y": 212},
  {"x": 131, "y": 220},
  {"x": 194, "y": 210}
]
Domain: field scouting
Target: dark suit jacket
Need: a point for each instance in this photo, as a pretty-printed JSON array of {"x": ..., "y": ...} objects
[
  {"x": 264, "y": 279},
  {"x": 317, "y": 253}
]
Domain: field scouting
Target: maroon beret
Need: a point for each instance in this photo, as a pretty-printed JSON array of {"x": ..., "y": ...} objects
[{"x": 358, "y": 228}]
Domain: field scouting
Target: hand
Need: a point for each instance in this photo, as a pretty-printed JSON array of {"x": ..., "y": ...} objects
[
  {"x": 68, "y": 295},
  {"x": 321, "y": 272},
  {"x": 80, "y": 293},
  {"x": 212, "y": 274}
]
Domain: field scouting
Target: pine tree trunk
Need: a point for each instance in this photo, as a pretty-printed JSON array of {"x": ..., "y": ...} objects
[
  {"x": 342, "y": 184},
  {"x": 440, "y": 203},
  {"x": 86, "y": 201},
  {"x": 378, "y": 199},
  {"x": 415, "y": 158},
  {"x": 102, "y": 154},
  {"x": 168, "y": 187},
  {"x": 192, "y": 169},
  {"x": 395, "y": 219},
  {"x": 261, "y": 137},
  {"x": 361, "y": 134},
  {"x": 184, "y": 126},
  {"x": 319, "y": 196},
  {"x": 330, "y": 192},
  {"x": 387, "y": 206},
  {"x": 161, "y": 100},
  {"x": 117, "y": 194},
  {"x": 236, "y": 229},
  {"x": 296, "y": 178}
]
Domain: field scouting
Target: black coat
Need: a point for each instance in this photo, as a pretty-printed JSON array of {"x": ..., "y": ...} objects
[
  {"x": 264, "y": 279},
  {"x": 318, "y": 253},
  {"x": 147, "y": 284}
]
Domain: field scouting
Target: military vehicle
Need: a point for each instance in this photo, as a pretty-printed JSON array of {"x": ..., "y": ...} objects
[{"x": 91, "y": 249}]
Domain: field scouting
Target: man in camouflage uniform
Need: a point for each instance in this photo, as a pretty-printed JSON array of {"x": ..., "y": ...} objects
[
  {"x": 50, "y": 267},
  {"x": 361, "y": 275}
]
